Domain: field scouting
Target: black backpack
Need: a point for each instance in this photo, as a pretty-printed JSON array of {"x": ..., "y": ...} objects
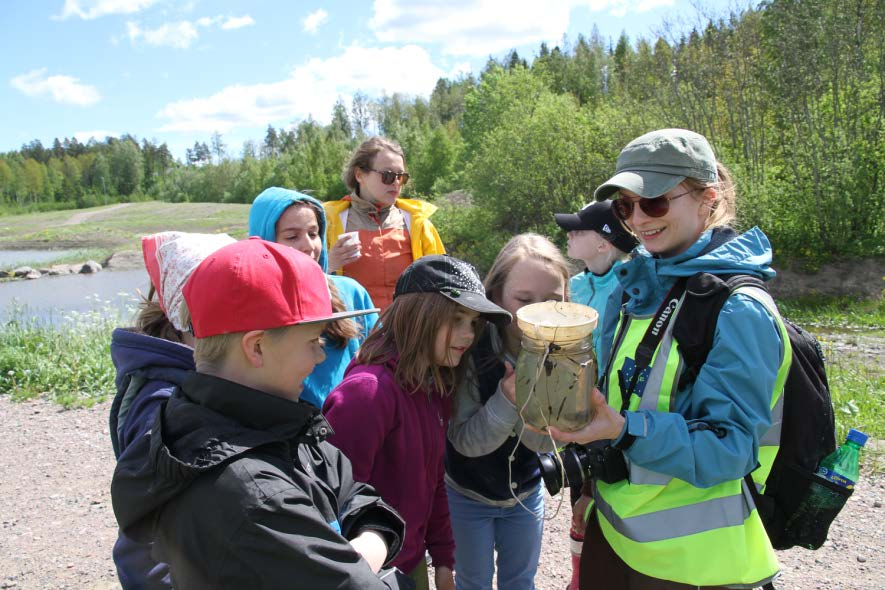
[{"x": 808, "y": 429}]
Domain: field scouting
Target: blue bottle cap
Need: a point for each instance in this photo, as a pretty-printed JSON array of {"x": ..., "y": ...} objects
[{"x": 856, "y": 436}]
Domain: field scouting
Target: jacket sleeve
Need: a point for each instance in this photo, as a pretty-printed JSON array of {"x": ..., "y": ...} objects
[
  {"x": 333, "y": 225},
  {"x": 361, "y": 416},
  {"x": 364, "y": 300},
  {"x": 733, "y": 392},
  {"x": 477, "y": 429},
  {"x": 439, "y": 539},
  {"x": 286, "y": 541},
  {"x": 431, "y": 243},
  {"x": 360, "y": 506}
]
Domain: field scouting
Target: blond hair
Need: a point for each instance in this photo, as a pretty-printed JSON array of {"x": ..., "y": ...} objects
[
  {"x": 520, "y": 247},
  {"x": 724, "y": 206},
  {"x": 400, "y": 333},
  {"x": 364, "y": 158}
]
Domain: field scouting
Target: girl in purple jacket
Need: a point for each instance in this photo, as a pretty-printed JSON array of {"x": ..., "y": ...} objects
[{"x": 391, "y": 412}]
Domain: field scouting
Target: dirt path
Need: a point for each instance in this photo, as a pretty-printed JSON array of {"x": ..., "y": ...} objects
[
  {"x": 57, "y": 527},
  {"x": 78, "y": 218}
]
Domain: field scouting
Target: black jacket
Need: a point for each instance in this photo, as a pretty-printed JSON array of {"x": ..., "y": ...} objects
[{"x": 241, "y": 491}]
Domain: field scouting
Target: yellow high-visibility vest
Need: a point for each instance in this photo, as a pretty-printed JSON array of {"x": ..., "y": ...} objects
[{"x": 668, "y": 529}]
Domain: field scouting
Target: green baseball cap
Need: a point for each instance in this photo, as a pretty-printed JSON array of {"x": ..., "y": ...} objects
[{"x": 654, "y": 163}]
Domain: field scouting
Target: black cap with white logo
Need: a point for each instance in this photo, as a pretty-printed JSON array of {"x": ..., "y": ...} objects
[{"x": 599, "y": 217}]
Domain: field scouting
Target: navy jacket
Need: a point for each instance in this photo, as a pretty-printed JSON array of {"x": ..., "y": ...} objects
[{"x": 148, "y": 370}]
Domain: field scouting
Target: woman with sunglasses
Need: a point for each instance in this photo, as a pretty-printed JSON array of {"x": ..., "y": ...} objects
[
  {"x": 393, "y": 232},
  {"x": 684, "y": 516}
]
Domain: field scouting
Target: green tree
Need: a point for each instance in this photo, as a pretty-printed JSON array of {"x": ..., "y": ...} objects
[{"x": 126, "y": 167}]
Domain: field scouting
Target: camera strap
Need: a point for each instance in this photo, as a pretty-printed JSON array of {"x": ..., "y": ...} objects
[{"x": 645, "y": 351}]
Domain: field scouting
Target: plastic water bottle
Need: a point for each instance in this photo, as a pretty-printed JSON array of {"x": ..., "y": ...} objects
[
  {"x": 842, "y": 466},
  {"x": 836, "y": 474}
]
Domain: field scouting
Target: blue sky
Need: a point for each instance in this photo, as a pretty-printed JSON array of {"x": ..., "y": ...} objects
[{"x": 178, "y": 71}]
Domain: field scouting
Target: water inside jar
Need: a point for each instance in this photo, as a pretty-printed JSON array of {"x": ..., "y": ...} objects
[{"x": 554, "y": 381}]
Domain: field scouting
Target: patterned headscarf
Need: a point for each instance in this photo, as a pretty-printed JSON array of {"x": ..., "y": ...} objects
[{"x": 170, "y": 258}]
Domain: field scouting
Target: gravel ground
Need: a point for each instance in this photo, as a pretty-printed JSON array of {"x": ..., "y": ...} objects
[{"x": 58, "y": 527}]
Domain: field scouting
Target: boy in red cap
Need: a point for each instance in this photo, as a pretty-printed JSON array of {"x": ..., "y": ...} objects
[{"x": 240, "y": 489}]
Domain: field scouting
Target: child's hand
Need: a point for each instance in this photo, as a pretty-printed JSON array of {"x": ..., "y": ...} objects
[
  {"x": 579, "y": 524},
  {"x": 444, "y": 578},
  {"x": 508, "y": 383},
  {"x": 372, "y": 547},
  {"x": 606, "y": 423}
]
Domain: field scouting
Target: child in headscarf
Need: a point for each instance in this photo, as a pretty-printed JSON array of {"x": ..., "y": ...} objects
[{"x": 152, "y": 359}]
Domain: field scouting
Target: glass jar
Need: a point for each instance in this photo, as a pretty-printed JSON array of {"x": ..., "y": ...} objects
[{"x": 556, "y": 370}]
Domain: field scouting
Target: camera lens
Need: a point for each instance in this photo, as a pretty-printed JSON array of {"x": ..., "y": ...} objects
[{"x": 574, "y": 459}]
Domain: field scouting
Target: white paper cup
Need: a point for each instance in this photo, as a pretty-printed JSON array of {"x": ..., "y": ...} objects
[{"x": 349, "y": 238}]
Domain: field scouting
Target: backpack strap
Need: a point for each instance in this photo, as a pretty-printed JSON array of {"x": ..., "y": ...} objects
[
  {"x": 646, "y": 348},
  {"x": 695, "y": 328}
]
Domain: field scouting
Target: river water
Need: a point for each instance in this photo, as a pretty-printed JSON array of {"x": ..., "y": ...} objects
[
  {"x": 50, "y": 298},
  {"x": 13, "y": 258}
]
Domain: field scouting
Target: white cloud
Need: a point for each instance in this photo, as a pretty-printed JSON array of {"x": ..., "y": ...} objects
[
  {"x": 179, "y": 34},
  {"x": 471, "y": 27},
  {"x": 310, "y": 91},
  {"x": 313, "y": 20},
  {"x": 237, "y": 22},
  {"x": 482, "y": 27},
  {"x": 99, "y": 135},
  {"x": 63, "y": 89},
  {"x": 207, "y": 21},
  {"x": 620, "y": 8},
  {"x": 90, "y": 9}
]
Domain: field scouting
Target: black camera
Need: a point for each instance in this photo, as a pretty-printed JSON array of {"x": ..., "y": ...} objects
[{"x": 581, "y": 462}]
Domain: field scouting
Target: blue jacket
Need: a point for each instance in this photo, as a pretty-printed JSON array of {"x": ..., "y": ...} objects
[
  {"x": 595, "y": 291},
  {"x": 733, "y": 389},
  {"x": 148, "y": 370},
  {"x": 263, "y": 216}
]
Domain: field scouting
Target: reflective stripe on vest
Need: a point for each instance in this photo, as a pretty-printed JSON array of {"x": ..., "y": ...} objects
[{"x": 662, "y": 526}]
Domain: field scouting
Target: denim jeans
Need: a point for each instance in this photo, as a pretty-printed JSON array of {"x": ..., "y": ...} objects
[{"x": 480, "y": 529}]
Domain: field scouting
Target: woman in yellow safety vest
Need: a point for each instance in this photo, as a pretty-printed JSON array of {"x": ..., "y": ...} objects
[{"x": 684, "y": 516}]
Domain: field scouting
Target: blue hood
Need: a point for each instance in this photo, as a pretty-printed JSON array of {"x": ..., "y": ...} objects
[
  {"x": 719, "y": 251},
  {"x": 269, "y": 206}
]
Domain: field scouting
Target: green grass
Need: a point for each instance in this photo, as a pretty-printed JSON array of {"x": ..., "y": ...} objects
[
  {"x": 835, "y": 313},
  {"x": 68, "y": 362},
  {"x": 857, "y": 389},
  {"x": 120, "y": 227}
]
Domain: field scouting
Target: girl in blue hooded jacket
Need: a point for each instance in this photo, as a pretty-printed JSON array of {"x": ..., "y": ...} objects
[
  {"x": 684, "y": 516},
  {"x": 298, "y": 220}
]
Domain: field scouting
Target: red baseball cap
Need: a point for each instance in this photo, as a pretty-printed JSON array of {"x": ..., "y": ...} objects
[{"x": 258, "y": 285}]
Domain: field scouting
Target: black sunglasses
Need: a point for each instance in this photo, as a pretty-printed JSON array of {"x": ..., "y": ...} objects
[
  {"x": 389, "y": 176},
  {"x": 656, "y": 207}
]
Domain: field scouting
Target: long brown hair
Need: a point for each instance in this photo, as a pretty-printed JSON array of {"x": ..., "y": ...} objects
[
  {"x": 364, "y": 157},
  {"x": 152, "y": 321},
  {"x": 339, "y": 331},
  {"x": 407, "y": 329}
]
